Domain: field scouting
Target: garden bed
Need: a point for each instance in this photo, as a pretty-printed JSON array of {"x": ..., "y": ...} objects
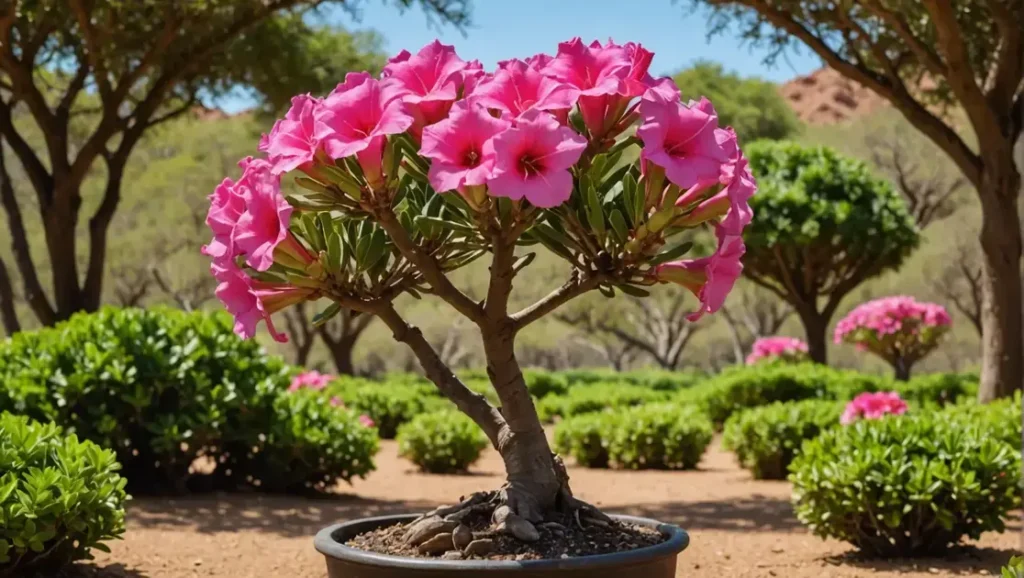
[{"x": 738, "y": 526}]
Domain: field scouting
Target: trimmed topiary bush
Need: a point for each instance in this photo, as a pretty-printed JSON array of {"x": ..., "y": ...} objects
[
  {"x": 585, "y": 438},
  {"x": 905, "y": 486},
  {"x": 765, "y": 439},
  {"x": 388, "y": 404},
  {"x": 593, "y": 398},
  {"x": 59, "y": 498},
  {"x": 162, "y": 388},
  {"x": 938, "y": 389},
  {"x": 441, "y": 442},
  {"x": 999, "y": 419},
  {"x": 763, "y": 384},
  {"x": 541, "y": 383},
  {"x": 659, "y": 436}
]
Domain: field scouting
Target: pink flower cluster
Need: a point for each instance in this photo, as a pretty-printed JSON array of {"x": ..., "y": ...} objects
[
  {"x": 310, "y": 380},
  {"x": 785, "y": 348},
  {"x": 873, "y": 406},
  {"x": 505, "y": 133},
  {"x": 889, "y": 316}
]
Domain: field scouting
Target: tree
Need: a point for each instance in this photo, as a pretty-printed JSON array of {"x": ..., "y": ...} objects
[
  {"x": 752, "y": 106},
  {"x": 823, "y": 224},
  {"x": 86, "y": 79},
  {"x": 923, "y": 55},
  {"x": 656, "y": 326}
]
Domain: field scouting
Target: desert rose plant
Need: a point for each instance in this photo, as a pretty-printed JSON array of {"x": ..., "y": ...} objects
[
  {"x": 873, "y": 405},
  {"x": 900, "y": 330},
  {"x": 387, "y": 185},
  {"x": 788, "y": 349}
]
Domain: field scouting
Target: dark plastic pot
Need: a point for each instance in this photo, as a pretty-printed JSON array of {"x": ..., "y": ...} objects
[{"x": 343, "y": 562}]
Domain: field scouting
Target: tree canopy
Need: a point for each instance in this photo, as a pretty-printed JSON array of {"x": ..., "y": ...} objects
[
  {"x": 752, "y": 106},
  {"x": 823, "y": 224}
]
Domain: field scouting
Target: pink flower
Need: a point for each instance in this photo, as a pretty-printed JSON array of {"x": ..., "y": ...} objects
[
  {"x": 889, "y": 316},
  {"x": 785, "y": 348},
  {"x": 462, "y": 147},
  {"x": 873, "y": 406},
  {"x": 226, "y": 206},
  {"x": 537, "y": 61},
  {"x": 355, "y": 118},
  {"x": 516, "y": 88},
  {"x": 638, "y": 79},
  {"x": 264, "y": 224},
  {"x": 251, "y": 302},
  {"x": 292, "y": 142},
  {"x": 428, "y": 81},
  {"x": 310, "y": 380},
  {"x": 732, "y": 201},
  {"x": 709, "y": 278},
  {"x": 366, "y": 421},
  {"x": 683, "y": 140},
  {"x": 599, "y": 72},
  {"x": 336, "y": 402},
  {"x": 533, "y": 160}
]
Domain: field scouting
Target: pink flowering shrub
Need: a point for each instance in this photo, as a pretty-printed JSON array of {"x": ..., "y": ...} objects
[
  {"x": 387, "y": 185},
  {"x": 310, "y": 380},
  {"x": 777, "y": 348},
  {"x": 900, "y": 330},
  {"x": 873, "y": 405}
]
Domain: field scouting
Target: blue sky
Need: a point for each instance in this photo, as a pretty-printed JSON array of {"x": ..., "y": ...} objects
[{"x": 504, "y": 29}]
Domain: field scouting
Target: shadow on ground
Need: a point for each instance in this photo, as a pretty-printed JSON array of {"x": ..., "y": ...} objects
[
  {"x": 108, "y": 571},
  {"x": 756, "y": 513},
  {"x": 284, "y": 515},
  {"x": 959, "y": 560}
]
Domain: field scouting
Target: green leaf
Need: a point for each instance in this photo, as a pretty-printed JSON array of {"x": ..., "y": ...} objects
[
  {"x": 327, "y": 314},
  {"x": 335, "y": 253},
  {"x": 633, "y": 290},
  {"x": 595, "y": 214},
  {"x": 619, "y": 226},
  {"x": 521, "y": 263},
  {"x": 671, "y": 254}
]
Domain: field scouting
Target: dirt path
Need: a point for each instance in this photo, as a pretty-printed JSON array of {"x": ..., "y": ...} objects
[{"x": 738, "y": 527}]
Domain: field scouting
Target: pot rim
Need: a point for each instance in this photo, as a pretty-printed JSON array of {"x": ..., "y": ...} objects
[{"x": 677, "y": 541}]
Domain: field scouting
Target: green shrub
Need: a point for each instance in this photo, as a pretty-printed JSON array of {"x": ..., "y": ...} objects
[
  {"x": 441, "y": 442},
  {"x": 593, "y": 398},
  {"x": 1015, "y": 569},
  {"x": 939, "y": 389},
  {"x": 765, "y": 439},
  {"x": 388, "y": 404},
  {"x": 1000, "y": 419},
  {"x": 905, "y": 486},
  {"x": 585, "y": 438},
  {"x": 161, "y": 388},
  {"x": 59, "y": 497},
  {"x": 762, "y": 384},
  {"x": 544, "y": 383},
  {"x": 574, "y": 377},
  {"x": 659, "y": 436},
  {"x": 664, "y": 380}
]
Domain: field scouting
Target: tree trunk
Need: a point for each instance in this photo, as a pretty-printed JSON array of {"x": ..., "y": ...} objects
[
  {"x": 8, "y": 315},
  {"x": 533, "y": 478},
  {"x": 1002, "y": 366},
  {"x": 815, "y": 326},
  {"x": 341, "y": 353},
  {"x": 902, "y": 369}
]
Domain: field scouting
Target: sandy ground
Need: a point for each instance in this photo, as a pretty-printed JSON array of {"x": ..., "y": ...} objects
[{"x": 738, "y": 527}]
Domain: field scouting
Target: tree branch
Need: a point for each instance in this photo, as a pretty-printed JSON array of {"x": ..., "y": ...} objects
[
  {"x": 92, "y": 49},
  {"x": 577, "y": 285},
  {"x": 8, "y": 315},
  {"x": 37, "y": 173},
  {"x": 469, "y": 402},
  {"x": 429, "y": 267},
  {"x": 22, "y": 252},
  {"x": 99, "y": 224}
]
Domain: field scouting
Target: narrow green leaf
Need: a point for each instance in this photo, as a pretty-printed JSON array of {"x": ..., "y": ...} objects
[
  {"x": 671, "y": 254},
  {"x": 633, "y": 290},
  {"x": 523, "y": 262},
  {"x": 335, "y": 253},
  {"x": 619, "y": 226},
  {"x": 326, "y": 315}
]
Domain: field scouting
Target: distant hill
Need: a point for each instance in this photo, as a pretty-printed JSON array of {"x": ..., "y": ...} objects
[{"x": 826, "y": 97}]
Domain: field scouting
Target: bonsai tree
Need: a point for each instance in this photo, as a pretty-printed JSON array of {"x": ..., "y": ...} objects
[
  {"x": 823, "y": 224},
  {"x": 788, "y": 349},
  {"x": 406, "y": 178},
  {"x": 900, "y": 330}
]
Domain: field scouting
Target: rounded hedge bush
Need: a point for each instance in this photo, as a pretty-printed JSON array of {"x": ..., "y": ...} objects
[
  {"x": 389, "y": 404},
  {"x": 905, "y": 486},
  {"x": 60, "y": 498},
  {"x": 938, "y": 389},
  {"x": 541, "y": 383},
  {"x": 1000, "y": 419},
  {"x": 762, "y": 384},
  {"x": 585, "y": 438},
  {"x": 162, "y": 388},
  {"x": 593, "y": 398},
  {"x": 441, "y": 442},
  {"x": 765, "y": 439},
  {"x": 659, "y": 436}
]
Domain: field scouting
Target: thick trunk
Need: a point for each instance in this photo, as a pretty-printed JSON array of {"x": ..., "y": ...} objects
[
  {"x": 341, "y": 353},
  {"x": 1002, "y": 368},
  {"x": 533, "y": 478},
  {"x": 60, "y": 222},
  {"x": 901, "y": 369},
  {"x": 815, "y": 326}
]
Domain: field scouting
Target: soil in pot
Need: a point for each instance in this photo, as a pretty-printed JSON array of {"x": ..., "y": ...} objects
[{"x": 474, "y": 536}]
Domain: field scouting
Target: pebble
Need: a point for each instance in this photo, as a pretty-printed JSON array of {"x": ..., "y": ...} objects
[
  {"x": 778, "y": 549},
  {"x": 452, "y": 555},
  {"x": 480, "y": 547},
  {"x": 461, "y": 537},
  {"x": 439, "y": 543}
]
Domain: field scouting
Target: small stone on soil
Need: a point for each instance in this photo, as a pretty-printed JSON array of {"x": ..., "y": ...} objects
[
  {"x": 480, "y": 547},
  {"x": 461, "y": 537},
  {"x": 437, "y": 545}
]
